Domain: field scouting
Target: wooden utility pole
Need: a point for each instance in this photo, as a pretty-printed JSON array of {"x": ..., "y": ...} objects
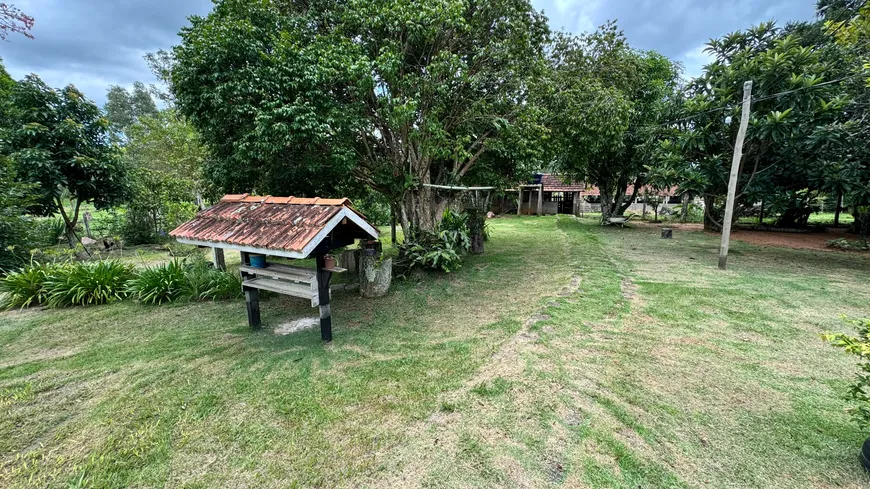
[{"x": 735, "y": 170}]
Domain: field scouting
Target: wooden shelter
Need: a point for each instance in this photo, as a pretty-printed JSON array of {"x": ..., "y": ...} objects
[
  {"x": 550, "y": 194},
  {"x": 289, "y": 227}
]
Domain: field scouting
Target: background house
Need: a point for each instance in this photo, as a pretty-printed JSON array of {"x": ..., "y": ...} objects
[{"x": 548, "y": 194}]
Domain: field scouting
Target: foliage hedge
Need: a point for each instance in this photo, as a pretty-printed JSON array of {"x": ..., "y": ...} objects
[{"x": 90, "y": 283}]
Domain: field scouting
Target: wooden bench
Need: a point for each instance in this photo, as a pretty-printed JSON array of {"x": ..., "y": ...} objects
[{"x": 284, "y": 279}]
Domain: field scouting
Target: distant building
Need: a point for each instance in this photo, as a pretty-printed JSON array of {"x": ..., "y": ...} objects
[{"x": 548, "y": 194}]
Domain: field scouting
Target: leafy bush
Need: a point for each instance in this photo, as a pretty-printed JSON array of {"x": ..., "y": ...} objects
[
  {"x": 26, "y": 286},
  {"x": 859, "y": 389},
  {"x": 176, "y": 280},
  {"x": 454, "y": 231},
  {"x": 158, "y": 284},
  {"x": 207, "y": 283},
  {"x": 15, "y": 198},
  {"x": 84, "y": 284},
  {"x": 441, "y": 250},
  {"x": 429, "y": 252},
  {"x": 845, "y": 244}
]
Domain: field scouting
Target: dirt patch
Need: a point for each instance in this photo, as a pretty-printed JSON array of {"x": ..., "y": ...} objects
[
  {"x": 296, "y": 325},
  {"x": 798, "y": 241}
]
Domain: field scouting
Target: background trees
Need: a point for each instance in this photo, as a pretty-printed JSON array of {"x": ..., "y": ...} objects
[
  {"x": 123, "y": 108},
  {"x": 398, "y": 94},
  {"x": 607, "y": 105},
  {"x": 792, "y": 101}
]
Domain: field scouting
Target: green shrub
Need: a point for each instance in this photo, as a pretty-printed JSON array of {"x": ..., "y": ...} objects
[
  {"x": 158, "y": 284},
  {"x": 845, "y": 244},
  {"x": 26, "y": 286},
  {"x": 441, "y": 250},
  {"x": 207, "y": 283},
  {"x": 48, "y": 232},
  {"x": 85, "y": 284},
  {"x": 454, "y": 231},
  {"x": 177, "y": 280},
  {"x": 859, "y": 389}
]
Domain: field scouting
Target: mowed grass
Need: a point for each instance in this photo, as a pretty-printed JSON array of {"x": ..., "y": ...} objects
[
  {"x": 569, "y": 355},
  {"x": 187, "y": 396}
]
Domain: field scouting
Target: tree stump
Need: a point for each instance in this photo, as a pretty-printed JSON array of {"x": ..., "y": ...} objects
[
  {"x": 374, "y": 277},
  {"x": 667, "y": 233}
]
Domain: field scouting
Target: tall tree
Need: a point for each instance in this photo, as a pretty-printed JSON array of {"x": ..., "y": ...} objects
[
  {"x": 123, "y": 108},
  {"x": 607, "y": 106},
  {"x": 849, "y": 168},
  {"x": 58, "y": 139},
  {"x": 169, "y": 145},
  {"x": 398, "y": 93}
]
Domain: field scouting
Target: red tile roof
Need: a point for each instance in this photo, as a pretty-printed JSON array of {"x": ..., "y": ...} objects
[
  {"x": 555, "y": 183},
  {"x": 284, "y": 224}
]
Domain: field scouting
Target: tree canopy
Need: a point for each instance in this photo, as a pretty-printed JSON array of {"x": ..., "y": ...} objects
[
  {"x": 607, "y": 104},
  {"x": 296, "y": 96},
  {"x": 124, "y": 108},
  {"x": 58, "y": 139}
]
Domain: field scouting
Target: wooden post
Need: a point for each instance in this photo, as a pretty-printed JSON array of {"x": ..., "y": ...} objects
[
  {"x": 87, "y": 220},
  {"x": 252, "y": 295},
  {"x": 218, "y": 258},
  {"x": 392, "y": 225},
  {"x": 735, "y": 170},
  {"x": 323, "y": 276},
  {"x": 541, "y": 200},
  {"x": 519, "y": 199}
]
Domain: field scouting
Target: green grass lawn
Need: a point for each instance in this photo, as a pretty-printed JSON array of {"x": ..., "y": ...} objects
[{"x": 568, "y": 355}]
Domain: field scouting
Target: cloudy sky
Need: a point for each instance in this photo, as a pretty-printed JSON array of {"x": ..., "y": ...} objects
[{"x": 96, "y": 43}]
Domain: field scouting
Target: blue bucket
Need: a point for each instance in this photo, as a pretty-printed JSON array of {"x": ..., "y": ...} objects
[{"x": 258, "y": 261}]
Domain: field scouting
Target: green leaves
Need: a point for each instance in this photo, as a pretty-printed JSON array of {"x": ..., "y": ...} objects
[
  {"x": 859, "y": 389},
  {"x": 58, "y": 139}
]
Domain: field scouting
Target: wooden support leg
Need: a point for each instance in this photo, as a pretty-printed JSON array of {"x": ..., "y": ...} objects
[
  {"x": 219, "y": 262},
  {"x": 323, "y": 277},
  {"x": 252, "y": 302}
]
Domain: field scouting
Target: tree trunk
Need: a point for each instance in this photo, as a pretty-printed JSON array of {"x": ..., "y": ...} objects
[
  {"x": 606, "y": 205},
  {"x": 710, "y": 222},
  {"x": 837, "y": 209},
  {"x": 421, "y": 209},
  {"x": 685, "y": 206}
]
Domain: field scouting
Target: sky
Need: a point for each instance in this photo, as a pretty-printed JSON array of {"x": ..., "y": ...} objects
[{"x": 97, "y": 43}]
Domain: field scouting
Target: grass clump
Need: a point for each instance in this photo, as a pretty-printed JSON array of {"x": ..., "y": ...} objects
[
  {"x": 158, "y": 284},
  {"x": 176, "y": 280},
  {"x": 85, "y": 284},
  {"x": 26, "y": 286}
]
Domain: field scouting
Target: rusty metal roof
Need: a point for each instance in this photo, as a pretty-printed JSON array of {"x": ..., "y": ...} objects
[{"x": 289, "y": 225}]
